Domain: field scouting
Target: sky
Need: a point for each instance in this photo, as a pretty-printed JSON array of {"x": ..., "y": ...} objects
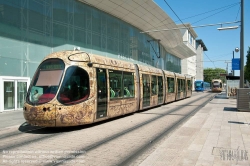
[{"x": 220, "y": 44}]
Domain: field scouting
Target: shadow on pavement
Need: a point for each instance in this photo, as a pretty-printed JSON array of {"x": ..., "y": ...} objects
[
  {"x": 27, "y": 128},
  {"x": 230, "y": 109}
]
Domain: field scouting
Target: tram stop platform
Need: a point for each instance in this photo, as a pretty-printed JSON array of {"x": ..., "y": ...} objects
[{"x": 217, "y": 135}]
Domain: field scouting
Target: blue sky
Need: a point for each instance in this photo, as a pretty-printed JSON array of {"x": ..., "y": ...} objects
[{"x": 220, "y": 44}]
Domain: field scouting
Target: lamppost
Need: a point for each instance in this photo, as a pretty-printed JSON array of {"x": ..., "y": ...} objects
[
  {"x": 242, "y": 46},
  {"x": 241, "y": 43}
]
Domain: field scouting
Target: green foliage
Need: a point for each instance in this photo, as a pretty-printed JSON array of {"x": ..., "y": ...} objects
[
  {"x": 247, "y": 66},
  {"x": 210, "y": 73}
]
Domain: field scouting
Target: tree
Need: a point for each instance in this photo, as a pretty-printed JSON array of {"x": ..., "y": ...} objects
[
  {"x": 210, "y": 73},
  {"x": 247, "y": 66}
]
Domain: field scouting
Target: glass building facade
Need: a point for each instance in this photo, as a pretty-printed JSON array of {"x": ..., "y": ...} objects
[{"x": 32, "y": 29}]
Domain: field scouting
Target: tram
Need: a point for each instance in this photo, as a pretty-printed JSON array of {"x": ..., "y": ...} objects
[
  {"x": 216, "y": 85},
  {"x": 72, "y": 88},
  {"x": 201, "y": 86}
]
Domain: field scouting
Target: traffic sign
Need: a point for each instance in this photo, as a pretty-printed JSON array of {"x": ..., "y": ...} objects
[{"x": 236, "y": 64}]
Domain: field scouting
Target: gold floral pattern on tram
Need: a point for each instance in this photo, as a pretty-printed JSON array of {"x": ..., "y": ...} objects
[
  {"x": 81, "y": 113},
  {"x": 121, "y": 107},
  {"x": 45, "y": 112}
]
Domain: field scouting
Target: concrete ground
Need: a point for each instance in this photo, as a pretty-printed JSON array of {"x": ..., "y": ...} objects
[{"x": 217, "y": 135}]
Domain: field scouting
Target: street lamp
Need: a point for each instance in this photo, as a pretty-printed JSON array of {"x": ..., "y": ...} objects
[
  {"x": 226, "y": 28},
  {"x": 241, "y": 44}
]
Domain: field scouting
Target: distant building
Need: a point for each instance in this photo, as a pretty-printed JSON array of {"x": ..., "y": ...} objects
[
  {"x": 188, "y": 65},
  {"x": 192, "y": 66},
  {"x": 200, "y": 48}
]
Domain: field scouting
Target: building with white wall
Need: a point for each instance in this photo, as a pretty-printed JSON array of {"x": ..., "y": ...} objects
[
  {"x": 188, "y": 65},
  {"x": 192, "y": 66},
  {"x": 200, "y": 48}
]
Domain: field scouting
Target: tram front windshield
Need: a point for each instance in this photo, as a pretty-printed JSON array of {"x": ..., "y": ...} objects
[
  {"x": 198, "y": 84},
  {"x": 216, "y": 84},
  {"x": 46, "y": 81}
]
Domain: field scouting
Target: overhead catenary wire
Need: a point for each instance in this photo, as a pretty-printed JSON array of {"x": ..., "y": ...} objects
[
  {"x": 175, "y": 14},
  {"x": 212, "y": 15},
  {"x": 209, "y": 59},
  {"x": 224, "y": 8},
  {"x": 231, "y": 5}
]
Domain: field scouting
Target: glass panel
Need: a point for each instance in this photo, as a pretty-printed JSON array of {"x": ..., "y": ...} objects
[
  {"x": 31, "y": 29},
  {"x": 198, "y": 84},
  {"x": 146, "y": 90},
  {"x": 46, "y": 81},
  {"x": 154, "y": 86},
  {"x": 101, "y": 93},
  {"x": 128, "y": 84},
  {"x": 179, "y": 85},
  {"x": 183, "y": 85},
  {"x": 75, "y": 86},
  {"x": 9, "y": 95},
  {"x": 21, "y": 93},
  {"x": 121, "y": 84},
  {"x": 115, "y": 83},
  {"x": 160, "y": 86},
  {"x": 170, "y": 82},
  {"x": 189, "y": 85}
]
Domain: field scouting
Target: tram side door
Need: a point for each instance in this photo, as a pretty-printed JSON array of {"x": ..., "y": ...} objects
[
  {"x": 101, "y": 93},
  {"x": 146, "y": 90},
  {"x": 160, "y": 89}
]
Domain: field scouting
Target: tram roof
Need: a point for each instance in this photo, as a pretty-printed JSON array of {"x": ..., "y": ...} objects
[{"x": 147, "y": 15}]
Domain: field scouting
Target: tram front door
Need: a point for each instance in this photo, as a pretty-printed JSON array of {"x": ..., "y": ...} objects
[{"x": 101, "y": 93}]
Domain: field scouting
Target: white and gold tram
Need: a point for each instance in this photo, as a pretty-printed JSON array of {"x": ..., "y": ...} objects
[
  {"x": 216, "y": 85},
  {"x": 73, "y": 88}
]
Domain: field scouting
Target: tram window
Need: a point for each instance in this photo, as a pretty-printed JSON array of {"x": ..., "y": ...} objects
[
  {"x": 146, "y": 85},
  {"x": 160, "y": 85},
  {"x": 146, "y": 90},
  {"x": 121, "y": 84},
  {"x": 216, "y": 84},
  {"x": 75, "y": 86},
  {"x": 46, "y": 81},
  {"x": 181, "y": 85},
  {"x": 128, "y": 84},
  {"x": 160, "y": 89},
  {"x": 170, "y": 82},
  {"x": 189, "y": 84},
  {"x": 154, "y": 85},
  {"x": 115, "y": 83}
]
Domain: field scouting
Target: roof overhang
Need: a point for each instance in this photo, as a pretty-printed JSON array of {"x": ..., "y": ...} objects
[
  {"x": 147, "y": 15},
  {"x": 199, "y": 41}
]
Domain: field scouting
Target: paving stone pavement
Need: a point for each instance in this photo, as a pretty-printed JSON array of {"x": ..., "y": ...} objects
[{"x": 217, "y": 135}]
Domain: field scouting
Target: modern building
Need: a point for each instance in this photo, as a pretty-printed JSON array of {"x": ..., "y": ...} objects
[
  {"x": 32, "y": 29},
  {"x": 192, "y": 66},
  {"x": 188, "y": 65}
]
